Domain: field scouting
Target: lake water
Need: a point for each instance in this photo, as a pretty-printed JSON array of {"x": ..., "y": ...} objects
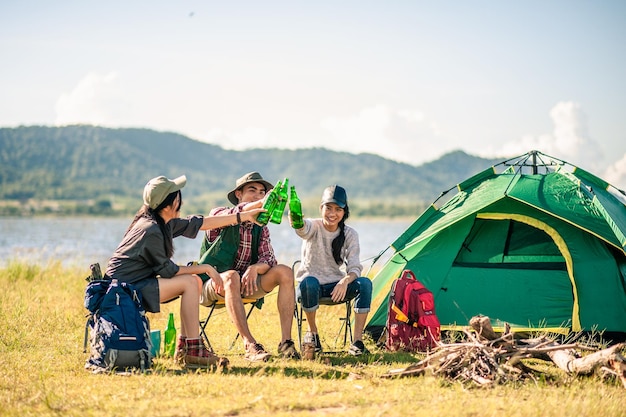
[{"x": 85, "y": 240}]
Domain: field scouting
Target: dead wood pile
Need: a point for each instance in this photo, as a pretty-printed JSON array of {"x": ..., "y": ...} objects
[{"x": 486, "y": 358}]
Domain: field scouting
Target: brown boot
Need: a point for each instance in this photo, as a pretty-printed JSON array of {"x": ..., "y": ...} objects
[
  {"x": 181, "y": 349},
  {"x": 198, "y": 356}
]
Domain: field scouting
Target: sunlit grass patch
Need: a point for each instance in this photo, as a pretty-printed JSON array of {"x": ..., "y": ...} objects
[{"x": 42, "y": 369}]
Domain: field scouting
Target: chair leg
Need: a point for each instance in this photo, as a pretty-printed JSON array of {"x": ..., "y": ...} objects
[
  {"x": 297, "y": 316},
  {"x": 346, "y": 321},
  {"x": 299, "y": 321},
  {"x": 346, "y": 324},
  {"x": 203, "y": 324},
  {"x": 348, "y": 329}
]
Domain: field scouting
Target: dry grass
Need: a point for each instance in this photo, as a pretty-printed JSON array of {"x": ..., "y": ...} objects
[{"x": 41, "y": 364}]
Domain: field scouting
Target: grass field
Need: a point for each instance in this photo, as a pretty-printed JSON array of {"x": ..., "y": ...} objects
[{"x": 42, "y": 370}]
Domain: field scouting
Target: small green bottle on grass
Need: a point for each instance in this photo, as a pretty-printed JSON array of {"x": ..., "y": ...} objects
[{"x": 169, "y": 345}]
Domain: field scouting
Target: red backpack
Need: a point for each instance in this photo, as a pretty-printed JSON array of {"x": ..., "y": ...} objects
[{"x": 412, "y": 324}]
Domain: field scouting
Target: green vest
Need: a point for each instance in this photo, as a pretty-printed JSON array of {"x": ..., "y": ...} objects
[{"x": 221, "y": 253}]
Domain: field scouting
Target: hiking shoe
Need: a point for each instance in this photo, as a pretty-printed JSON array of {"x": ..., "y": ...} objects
[
  {"x": 287, "y": 349},
  {"x": 357, "y": 348},
  {"x": 313, "y": 339},
  {"x": 256, "y": 353},
  {"x": 198, "y": 356}
]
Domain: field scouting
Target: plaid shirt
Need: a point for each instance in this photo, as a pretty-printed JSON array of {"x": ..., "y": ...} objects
[{"x": 244, "y": 253}]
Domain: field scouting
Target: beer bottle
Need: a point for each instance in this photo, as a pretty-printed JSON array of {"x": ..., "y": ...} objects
[
  {"x": 270, "y": 205},
  {"x": 169, "y": 345},
  {"x": 295, "y": 209},
  {"x": 283, "y": 196}
]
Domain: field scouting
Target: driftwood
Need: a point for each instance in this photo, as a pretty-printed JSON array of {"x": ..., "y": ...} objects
[
  {"x": 482, "y": 326},
  {"x": 486, "y": 358},
  {"x": 569, "y": 360},
  {"x": 609, "y": 361}
]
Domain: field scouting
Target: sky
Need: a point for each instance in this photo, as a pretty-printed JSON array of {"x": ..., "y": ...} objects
[{"x": 407, "y": 80}]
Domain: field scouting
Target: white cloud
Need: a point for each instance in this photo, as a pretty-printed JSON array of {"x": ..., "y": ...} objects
[
  {"x": 252, "y": 137},
  {"x": 568, "y": 141},
  {"x": 96, "y": 100},
  {"x": 405, "y": 135},
  {"x": 359, "y": 132},
  {"x": 616, "y": 173}
]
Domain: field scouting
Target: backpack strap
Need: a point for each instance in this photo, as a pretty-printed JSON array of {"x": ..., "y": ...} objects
[
  {"x": 400, "y": 316},
  {"x": 408, "y": 274},
  {"x": 420, "y": 303}
]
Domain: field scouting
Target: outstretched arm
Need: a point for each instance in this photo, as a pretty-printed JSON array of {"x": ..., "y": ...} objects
[
  {"x": 253, "y": 205},
  {"x": 215, "y": 222}
]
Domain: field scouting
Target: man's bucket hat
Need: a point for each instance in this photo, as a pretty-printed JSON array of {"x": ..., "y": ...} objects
[{"x": 246, "y": 179}]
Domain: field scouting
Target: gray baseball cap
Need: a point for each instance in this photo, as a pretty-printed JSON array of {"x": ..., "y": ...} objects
[{"x": 335, "y": 194}]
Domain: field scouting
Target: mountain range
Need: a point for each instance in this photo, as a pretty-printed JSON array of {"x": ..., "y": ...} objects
[{"x": 89, "y": 163}]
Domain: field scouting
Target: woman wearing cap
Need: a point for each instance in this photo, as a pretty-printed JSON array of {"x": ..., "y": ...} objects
[
  {"x": 328, "y": 244},
  {"x": 143, "y": 258}
]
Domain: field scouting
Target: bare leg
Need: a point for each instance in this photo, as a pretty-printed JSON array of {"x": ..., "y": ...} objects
[
  {"x": 185, "y": 286},
  {"x": 282, "y": 276},
  {"x": 234, "y": 305},
  {"x": 183, "y": 324},
  {"x": 359, "y": 325},
  {"x": 310, "y": 319}
]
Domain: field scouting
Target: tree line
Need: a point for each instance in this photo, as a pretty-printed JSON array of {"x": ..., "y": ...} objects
[{"x": 101, "y": 171}]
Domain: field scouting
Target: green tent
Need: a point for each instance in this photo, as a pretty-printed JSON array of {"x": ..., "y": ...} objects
[{"x": 539, "y": 245}]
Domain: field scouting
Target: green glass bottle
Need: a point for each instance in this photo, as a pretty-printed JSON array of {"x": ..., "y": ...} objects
[
  {"x": 295, "y": 209},
  {"x": 169, "y": 345},
  {"x": 283, "y": 196},
  {"x": 270, "y": 205}
]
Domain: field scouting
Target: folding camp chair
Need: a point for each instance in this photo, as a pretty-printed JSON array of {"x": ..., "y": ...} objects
[
  {"x": 346, "y": 325},
  {"x": 221, "y": 304}
]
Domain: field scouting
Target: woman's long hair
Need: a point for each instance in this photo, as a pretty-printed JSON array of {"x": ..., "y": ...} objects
[
  {"x": 341, "y": 238},
  {"x": 148, "y": 213}
]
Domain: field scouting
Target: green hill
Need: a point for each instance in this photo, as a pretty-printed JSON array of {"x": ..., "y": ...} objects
[{"x": 102, "y": 170}]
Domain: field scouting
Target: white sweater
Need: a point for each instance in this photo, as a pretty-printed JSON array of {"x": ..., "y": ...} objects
[{"x": 316, "y": 258}]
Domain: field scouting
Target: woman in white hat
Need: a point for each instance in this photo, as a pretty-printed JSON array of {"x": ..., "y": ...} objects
[{"x": 144, "y": 259}]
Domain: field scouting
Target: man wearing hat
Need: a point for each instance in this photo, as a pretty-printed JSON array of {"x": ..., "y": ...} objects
[{"x": 249, "y": 269}]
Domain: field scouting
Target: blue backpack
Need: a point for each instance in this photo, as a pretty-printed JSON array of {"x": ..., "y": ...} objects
[{"x": 119, "y": 332}]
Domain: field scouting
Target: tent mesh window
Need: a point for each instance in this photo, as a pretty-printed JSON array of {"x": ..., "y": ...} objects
[{"x": 509, "y": 244}]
